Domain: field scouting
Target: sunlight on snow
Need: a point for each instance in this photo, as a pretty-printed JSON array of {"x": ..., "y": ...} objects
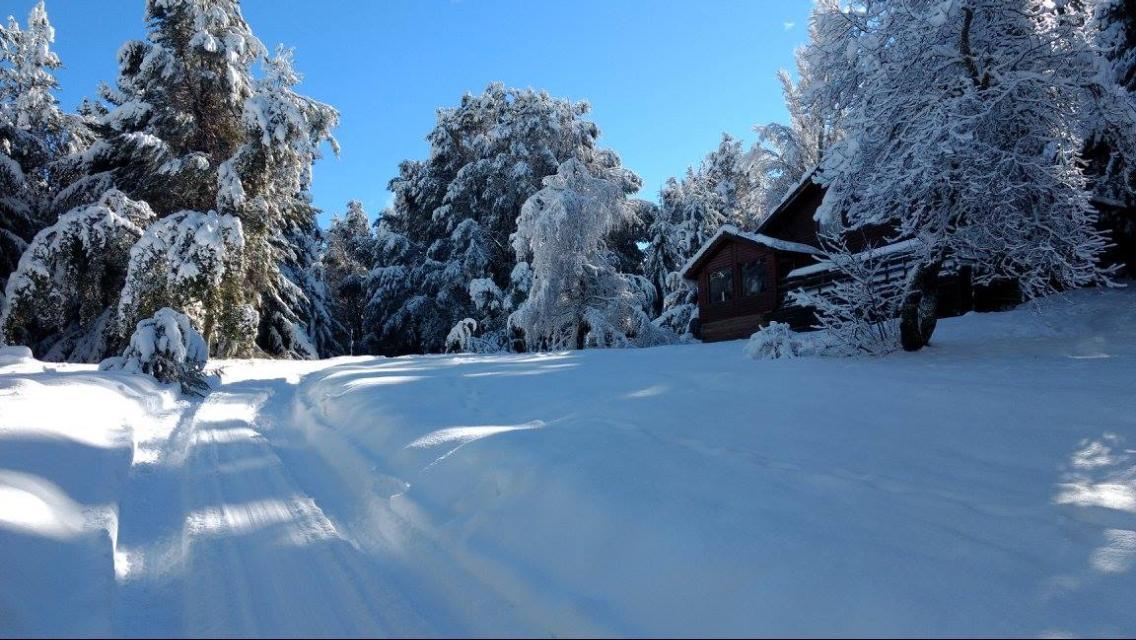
[
  {"x": 363, "y": 383},
  {"x": 236, "y": 519},
  {"x": 458, "y": 437},
  {"x": 224, "y": 436},
  {"x": 1105, "y": 476},
  {"x": 223, "y": 407},
  {"x": 1118, "y": 555},
  {"x": 648, "y": 392},
  {"x": 32, "y": 504},
  {"x": 465, "y": 435}
]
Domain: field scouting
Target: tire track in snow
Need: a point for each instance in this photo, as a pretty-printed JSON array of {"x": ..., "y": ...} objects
[{"x": 227, "y": 544}]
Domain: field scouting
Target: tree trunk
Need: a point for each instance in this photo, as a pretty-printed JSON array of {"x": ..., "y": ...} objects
[{"x": 920, "y": 309}]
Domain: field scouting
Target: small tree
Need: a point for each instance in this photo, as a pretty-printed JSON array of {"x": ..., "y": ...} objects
[
  {"x": 167, "y": 347},
  {"x": 858, "y": 310},
  {"x": 347, "y": 258}
]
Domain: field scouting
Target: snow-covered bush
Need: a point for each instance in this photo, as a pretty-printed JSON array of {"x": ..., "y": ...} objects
[
  {"x": 168, "y": 348},
  {"x": 858, "y": 312},
  {"x": 59, "y": 300},
  {"x": 776, "y": 340},
  {"x": 462, "y": 338}
]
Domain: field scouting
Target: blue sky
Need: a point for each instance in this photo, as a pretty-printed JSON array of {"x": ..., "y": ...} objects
[{"x": 664, "y": 78}]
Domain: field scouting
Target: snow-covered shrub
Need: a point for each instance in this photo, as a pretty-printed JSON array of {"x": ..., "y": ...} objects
[
  {"x": 168, "y": 348},
  {"x": 59, "y": 300},
  {"x": 776, "y": 340},
  {"x": 462, "y": 338},
  {"x": 858, "y": 312},
  {"x": 191, "y": 261}
]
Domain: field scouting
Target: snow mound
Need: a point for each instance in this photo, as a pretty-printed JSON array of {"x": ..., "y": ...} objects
[{"x": 15, "y": 355}]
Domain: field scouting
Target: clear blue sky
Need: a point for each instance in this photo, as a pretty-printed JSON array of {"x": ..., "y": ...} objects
[{"x": 664, "y": 77}]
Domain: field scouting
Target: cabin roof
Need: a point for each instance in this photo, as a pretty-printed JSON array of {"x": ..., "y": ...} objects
[
  {"x": 789, "y": 202},
  {"x": 730, "y": 232}
]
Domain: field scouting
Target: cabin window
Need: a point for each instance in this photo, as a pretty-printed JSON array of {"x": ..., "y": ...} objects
[
  {"x": 753, "y": 278},
  {"x": 721, "y": 285}
]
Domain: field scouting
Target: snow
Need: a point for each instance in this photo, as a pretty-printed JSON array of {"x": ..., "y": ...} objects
[
  {"x": 729, "y": 229},
  {"x": 983, "y": 486}
]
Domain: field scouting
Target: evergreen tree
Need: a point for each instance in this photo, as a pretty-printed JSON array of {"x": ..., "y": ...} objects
[
  {"x": 174, "y": 114},
  {"x": 189, "y": 127},
  {"x": 347, "y": 259},
  {"x": 266, "y": 184},
  {"x": 60, "y": 300},
  {"x": 34, "y": 134},
  {"x": 194, "y": 262}
]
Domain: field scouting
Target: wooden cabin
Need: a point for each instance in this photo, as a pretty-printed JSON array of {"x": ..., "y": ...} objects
[{"x": 744, "y": 278}]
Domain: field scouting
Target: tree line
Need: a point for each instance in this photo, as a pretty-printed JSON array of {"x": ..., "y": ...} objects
[{"x": 989, "y": 130}]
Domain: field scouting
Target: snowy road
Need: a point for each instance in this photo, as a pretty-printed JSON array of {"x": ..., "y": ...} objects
[{"x": 985, "y": 486}]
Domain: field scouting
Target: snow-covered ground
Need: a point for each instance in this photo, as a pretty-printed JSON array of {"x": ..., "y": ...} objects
[{"x": 986, "y": 485}]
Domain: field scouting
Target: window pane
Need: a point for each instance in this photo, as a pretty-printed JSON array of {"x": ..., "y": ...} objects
[
  {"x": 753, "y": 278},
  {"x": 721, "y": 285}
]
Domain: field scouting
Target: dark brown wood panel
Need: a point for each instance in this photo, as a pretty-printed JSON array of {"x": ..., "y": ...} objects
[
  {"x": 732, "y": 328},
  {"x": 732, "y": 255}
]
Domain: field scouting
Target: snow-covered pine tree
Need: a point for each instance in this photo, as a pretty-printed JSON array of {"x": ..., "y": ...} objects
[
  {"x": 347, "y": 260},
  {"x": 577, "y": 297},
  {"x": 34, "y": 134},
  {"x": 168, "y": 347},
  {"x": 174, "y": 114},
  {"x": 266, "y": 184},
  {"x": 60, "y": 300},
  {"x": 966, "y": 132},
  {"x": 189, "y": 127},
  {"x": 453, "y": 215},
  {"x": 193, "y": 262}
]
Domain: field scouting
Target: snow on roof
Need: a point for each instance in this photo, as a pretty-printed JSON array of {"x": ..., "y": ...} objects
[
  {"x": 902, "y": 246},
  {"x": 731, "y": 230}
]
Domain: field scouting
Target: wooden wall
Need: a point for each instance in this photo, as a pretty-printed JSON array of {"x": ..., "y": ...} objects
[{"x": 740, "y": 316}]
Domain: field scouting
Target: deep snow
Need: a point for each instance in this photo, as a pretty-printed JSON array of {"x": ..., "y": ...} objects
[{"x": 986, "y": 485}]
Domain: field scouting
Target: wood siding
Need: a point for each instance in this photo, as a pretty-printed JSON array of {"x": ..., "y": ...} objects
[
  {"x": 732, "y": 328},
  {"x": 741, "y": 311}
]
